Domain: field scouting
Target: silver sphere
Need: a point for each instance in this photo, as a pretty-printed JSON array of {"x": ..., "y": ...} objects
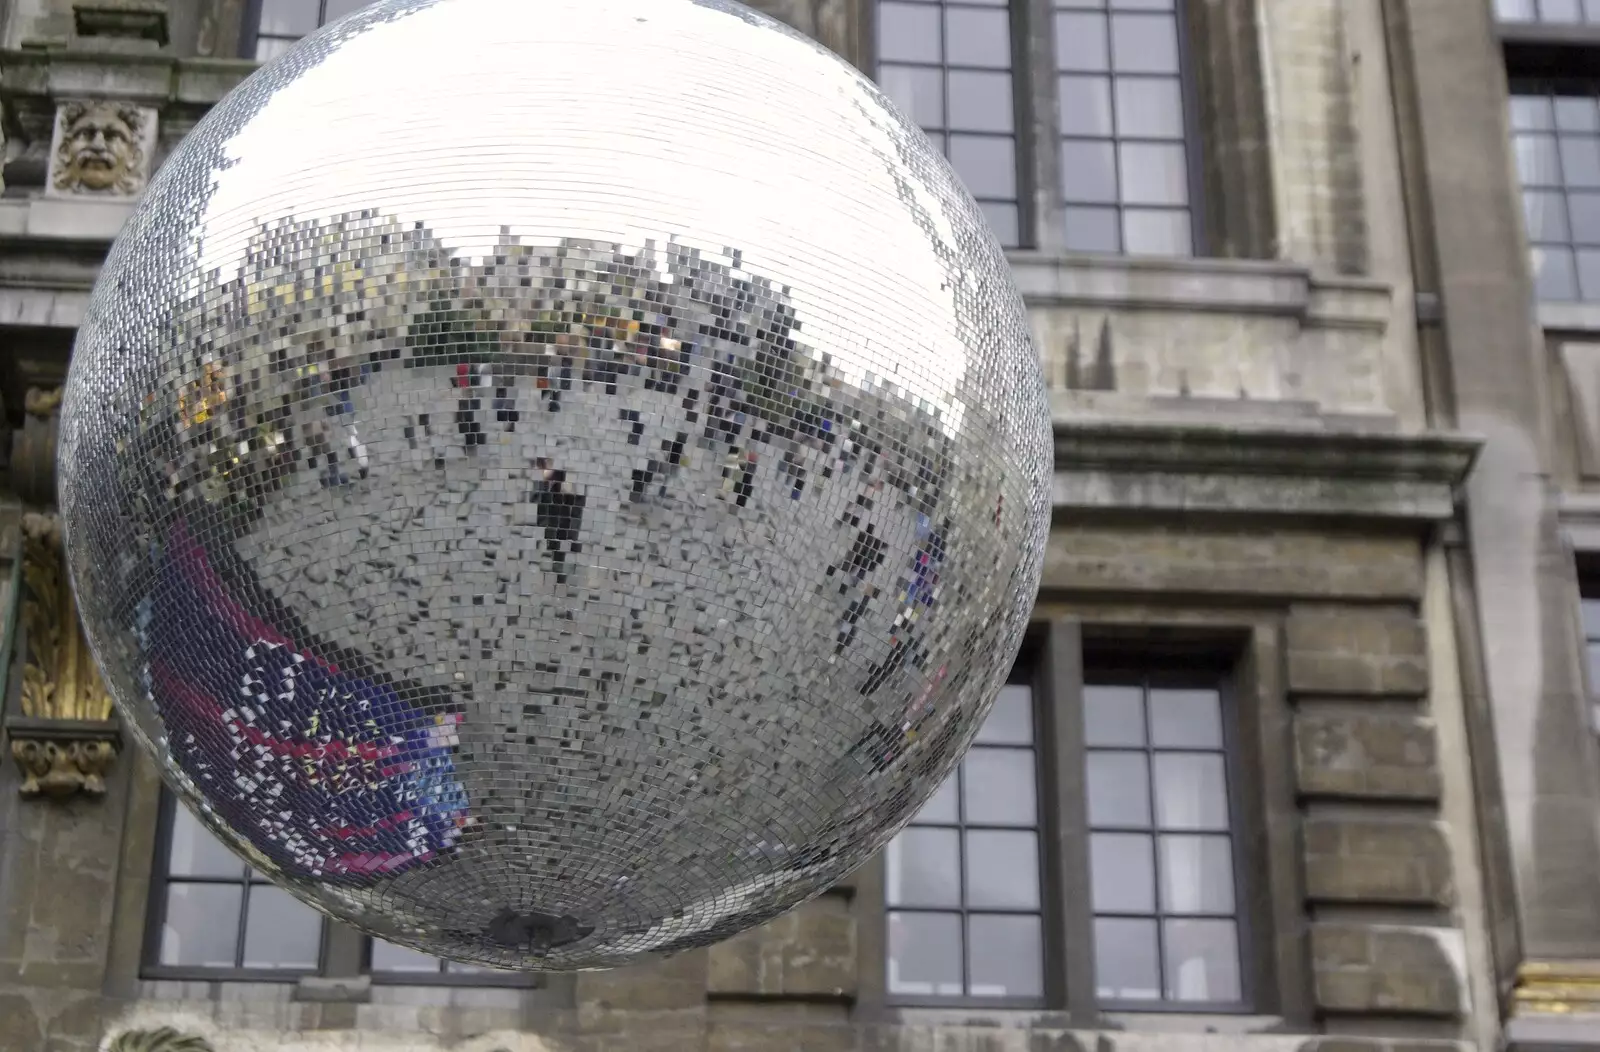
[{"x": 555, "y": 482}]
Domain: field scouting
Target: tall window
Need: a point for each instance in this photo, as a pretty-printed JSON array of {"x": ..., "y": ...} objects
[
  {"x": 947, "y": 63},
  {"x": 1126, "y": 176},
  {"x": 980, "y": 888},
  {"x": 1160, "y": 844},
  {"x": 272, "y": 26},
  {"x": 963, "y": 880},
  {"x": 212, "y": 917},
  {"x": 1552, "y": 51}
]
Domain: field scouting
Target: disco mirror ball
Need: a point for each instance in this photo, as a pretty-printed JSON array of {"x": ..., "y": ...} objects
[{"x": 555, "y": 482}]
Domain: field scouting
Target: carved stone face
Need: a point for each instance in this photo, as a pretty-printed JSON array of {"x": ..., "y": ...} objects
[{"x": 100, "y": 149}]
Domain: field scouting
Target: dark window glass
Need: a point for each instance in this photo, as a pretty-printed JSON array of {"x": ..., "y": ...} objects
[
  {"x": 947, "y": 64},
  {"x": 1126, "y": 167},
  {"x": 279, "y": 23}
]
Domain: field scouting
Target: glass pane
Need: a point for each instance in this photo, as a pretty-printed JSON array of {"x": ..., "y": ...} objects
[
  {"x": 1577, "y": 113},
  {"x": 1591, "y": 10},
  {"x": 1546, "y": 212},
  {"x": 941, "y": 807},
  {"x": 1191, "y": 791},
  {"x": 920, "y": 867},
  {"x": 1088, "y": 172},
  {"x": 977, "y": 38},
  {"x": 1590, "y": 611},
  {"x": 202, "y": 925},
  {"x": 980, "y": 101},
  {"x": 1186, "y": 719},
  {"x": 1589, "y": 274},
  {"x": 1153, "y": 173},
  {"x": 1010, "y": 722},
  {"x": 1554, "y": 275},
  {"x": 280, "y": 931},
  {"x": 289, "y": 18},
  {"x": 1580, "y": 161},
  {"x": 457, "y": 968},
  {"x": 1085, "y": 105},
  {"x": 1594, "y": 667},
  {"x": 1142, "y": 5},
  {"x": 1560, "y": 11},
  {"x": 1585, "y": 214},
  {"x": 998, "y": 787},
  {"x": 1119, "y": 790},
  {"x": 195, "y": 852},
  {"x": 987, "y": 164},
  {"x": 1514, "y": 10},
  {"x": 908, "y": 33},
  {"x": 1149, "y": 108},
  {"x": 335, "y": 9},
  {"x": 269, "y": 48},
  {"x": 1002, "y": 870},
  {"x": 1157, "y": 232},
  {"x": 1122, "y": 873},
  {"x": 1003, "y": 221},
  {"x": 1005, "y": 955},
  {"x": 1537, "y": 161},
  {"x": 1081, "y": 43},
  {"x": 387, "y": 957},
  {"x": 1092, "y": 230},
  {"x": 918, "y": 91},
  {"x": 925, "y": 954},
  {"x": 1202, "y": 961},
  {"x": 1113, "y": 716},
  {"x": 1144, "y": 43},
  {"x": 1196, "y": 874},
  {"x": 1126, "y": 967},
  {"x": 1531, "y": 113}
]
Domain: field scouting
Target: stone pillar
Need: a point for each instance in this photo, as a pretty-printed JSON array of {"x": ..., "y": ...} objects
[{"x": 1530, "y": 710}]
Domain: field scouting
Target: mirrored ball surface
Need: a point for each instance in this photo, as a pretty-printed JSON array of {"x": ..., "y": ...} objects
[{"x": 555, "y": 481}]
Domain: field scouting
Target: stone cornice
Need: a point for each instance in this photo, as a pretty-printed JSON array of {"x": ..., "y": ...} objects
[
  {"x": 1235, "y": 286},
  {"x": 1304, "y": 471},
  {"x": 153, "y": 79}
]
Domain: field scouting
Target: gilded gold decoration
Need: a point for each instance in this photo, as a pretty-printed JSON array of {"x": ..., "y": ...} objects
[
  {"x": 59, "y": 680},
  {"x": 42, "y": 401},
  {"x": 101, "y": 149},
  {"x": 63, "y": 741},
  {"x": 162, "y": 1039},
  {"x": 1557, "y": 988}
]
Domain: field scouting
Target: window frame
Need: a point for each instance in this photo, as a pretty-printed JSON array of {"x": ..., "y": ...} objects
[
  {"x": 1240, "y": 657},
  {"x": 337, "y": 942},
  {"x": 250, "y": 27},
  {"x": 150, "y": 966}
]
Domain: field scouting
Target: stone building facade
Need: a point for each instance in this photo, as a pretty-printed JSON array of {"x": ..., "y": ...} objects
[{"x": 1301, "y": 756}]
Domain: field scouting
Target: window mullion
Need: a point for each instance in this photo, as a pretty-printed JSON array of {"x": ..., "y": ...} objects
[{"x": 1070, "y": 940}]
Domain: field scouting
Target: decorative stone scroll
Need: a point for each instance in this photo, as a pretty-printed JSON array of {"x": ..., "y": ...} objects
[
  {"x": 65, "y": 740},
  {"x": 101, "y": 149},
  {"x": 161, "y": 1039},
  {"x": 1557, "y": 988}
]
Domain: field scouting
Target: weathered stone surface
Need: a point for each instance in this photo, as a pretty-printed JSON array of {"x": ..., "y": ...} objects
[
  {"x": 1402, "y": 861},
  {"x": 1356, "y": 651},
  {"x": 678, "y": 982},
  {"x": 20, "y": 1029},
  {"x": 1374, "y": 1044},
  {"x": 1366, "y": 755},
  {"x": 808, "y": 951},
  {"x": 1389, "y": 969},
  {"x": 777, "y": 1027},
  {"x": 1268, "y": 563}
]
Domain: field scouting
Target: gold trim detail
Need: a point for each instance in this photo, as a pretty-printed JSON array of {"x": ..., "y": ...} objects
[
  {"x": 1557, "y": 988},
  {"x": 59, "y": 680}
]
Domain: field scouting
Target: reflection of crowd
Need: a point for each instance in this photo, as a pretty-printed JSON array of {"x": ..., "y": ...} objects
[{"x": 270, "y": 388}]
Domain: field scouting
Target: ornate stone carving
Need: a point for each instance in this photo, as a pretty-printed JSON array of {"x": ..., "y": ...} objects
[
  {"x": 101, "y": 148},
  {"x": 33, "y": 447},
  {"x": 65, "y": 740},
  {"x": 161, "y": 1039}
]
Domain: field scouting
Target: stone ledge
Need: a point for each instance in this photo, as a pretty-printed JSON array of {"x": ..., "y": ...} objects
[
  {"x": 141, "y": 76},
  {"x": 1277, "y": 468},
  {"x": 1227, "y": 285}
]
